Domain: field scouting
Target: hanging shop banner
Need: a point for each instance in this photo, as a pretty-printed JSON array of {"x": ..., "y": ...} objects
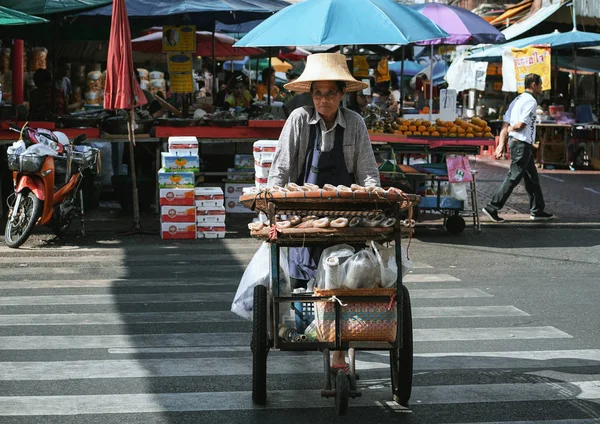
[
  {"x": 182, "y": 83},
  {"x": 179, "y": 39},
  {"x": 180, "y": 63},
  {"x": 532, "y": 60}
]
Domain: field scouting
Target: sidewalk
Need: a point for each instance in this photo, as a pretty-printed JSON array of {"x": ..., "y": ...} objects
[{"x": 572, "y": 196}]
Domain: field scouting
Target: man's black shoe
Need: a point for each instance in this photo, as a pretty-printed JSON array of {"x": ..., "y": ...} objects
[
  {"x": 493, "y": 215},
  {"x": 541, "y": 216}
]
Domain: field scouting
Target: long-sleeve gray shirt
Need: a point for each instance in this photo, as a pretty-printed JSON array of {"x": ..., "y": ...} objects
[{"x": 293, "y": 146}]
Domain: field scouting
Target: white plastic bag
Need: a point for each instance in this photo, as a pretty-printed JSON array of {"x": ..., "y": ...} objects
[
  {"x": 327, "y": 277},
  {"x": 459, "y": 191},
  {"x": 361, "y": 271},
  {"x": 257, "y": 273},
  {"x": 386, "y": 257}
]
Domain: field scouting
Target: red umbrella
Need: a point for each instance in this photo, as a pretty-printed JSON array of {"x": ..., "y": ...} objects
[
  {"x": 152, "y": 43},
  {"x": 121, "y": 90}
]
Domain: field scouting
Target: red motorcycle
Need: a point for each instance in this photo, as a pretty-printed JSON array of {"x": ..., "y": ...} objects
[{"x": 45, "y": 188}]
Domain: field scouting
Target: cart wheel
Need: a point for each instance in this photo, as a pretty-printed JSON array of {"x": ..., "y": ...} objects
[
  {"x": 401, "y": 359},
  {"x": 259, "y": 346},
  {"x": 455, "y": 224},
  {"x": 342, "y": 392}
]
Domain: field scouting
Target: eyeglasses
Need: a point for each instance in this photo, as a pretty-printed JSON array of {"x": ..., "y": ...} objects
[{"x": 317, "y": 95}]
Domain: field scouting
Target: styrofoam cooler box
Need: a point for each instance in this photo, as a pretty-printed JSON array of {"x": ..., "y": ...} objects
[
  {"x": 233, "y": 205},
  {"x": 176, "y": 197},
  {"x": 168, "y": 179},
  {"x": 178, "y": 231},
  {"x": 214, "y": 214},
  {"x": 177, "y": 214},
  {"x": 235, "y": 190},
  {"x": 210, "y": 231},
  {"x": 183, "y": 145},
  {"x": 264, "y": 146},
  {"x": 209, "y": 193},
  {"x": 173, "y": 162}
]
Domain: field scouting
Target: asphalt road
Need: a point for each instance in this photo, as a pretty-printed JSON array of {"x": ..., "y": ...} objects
[{"x": 135, "y": 330}]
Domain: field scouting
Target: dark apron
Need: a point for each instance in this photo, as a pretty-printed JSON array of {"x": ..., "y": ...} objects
[{"x": 319, "y": 168}]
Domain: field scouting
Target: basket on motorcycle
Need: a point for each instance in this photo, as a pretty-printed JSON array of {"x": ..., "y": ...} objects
[
  {"x": 25, "y": 162},
  {"x": 87, "y": 157}
]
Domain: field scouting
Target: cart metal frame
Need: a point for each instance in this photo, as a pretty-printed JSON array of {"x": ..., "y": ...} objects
[{"x": 267, "y": 303}]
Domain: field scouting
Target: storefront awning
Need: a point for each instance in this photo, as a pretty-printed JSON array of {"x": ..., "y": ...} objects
[{"x": 538, "y": 17}]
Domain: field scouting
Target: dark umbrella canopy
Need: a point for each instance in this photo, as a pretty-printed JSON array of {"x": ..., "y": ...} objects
[
  {"x": 46, "y": 7},
  {"x": 198, "y": 12},
  {"x": 14, "y": 17}
]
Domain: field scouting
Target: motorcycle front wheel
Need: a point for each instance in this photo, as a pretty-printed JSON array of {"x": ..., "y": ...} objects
[{"x": 18, "y": 229}]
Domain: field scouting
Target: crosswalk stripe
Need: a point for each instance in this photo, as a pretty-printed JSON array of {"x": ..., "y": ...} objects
[
  {"x": 428, "y": 278},
  {"x": 224, "y": 316},
  {"x": 239, "y": 339},
  {"x": 183, "y": 258},
  {"x": 569, "y": 421},
  {"x": 492, "y": 333},
  {"x": 282, "y": 399},
  {"x": 123, "y": 271},
  {"x": 193, "y": 297},
  {"x": 115, "y": 283}
]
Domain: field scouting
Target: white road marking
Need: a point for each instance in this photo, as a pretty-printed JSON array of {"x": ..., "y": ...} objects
[
  {"x": 119, "y": 299},
  {"x": 492, "y": 333},
  {"x": 283, "y": 399},
  {"x": 225, "y": 316},
  {"x": 428, "y": 278},
  {"x": 592, "y": 190},
  {"x": 552, "y": 178}
]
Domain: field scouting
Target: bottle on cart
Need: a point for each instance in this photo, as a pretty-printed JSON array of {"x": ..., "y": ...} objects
[{"x": 288, "y": 334}]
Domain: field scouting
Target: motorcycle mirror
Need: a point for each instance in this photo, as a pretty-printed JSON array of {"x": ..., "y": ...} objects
[{"x": 80, "y": 139}]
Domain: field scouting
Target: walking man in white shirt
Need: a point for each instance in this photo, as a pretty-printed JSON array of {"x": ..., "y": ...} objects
[{"x": 521, "y": 134}]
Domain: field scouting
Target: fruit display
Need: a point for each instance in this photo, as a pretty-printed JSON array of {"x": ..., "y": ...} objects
[{"x": 459, "y": 128}]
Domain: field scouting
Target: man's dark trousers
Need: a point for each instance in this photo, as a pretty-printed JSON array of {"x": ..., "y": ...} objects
[{"x": 522, "y": 165}]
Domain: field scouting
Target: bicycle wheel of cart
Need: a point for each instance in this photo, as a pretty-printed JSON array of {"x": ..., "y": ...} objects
[
  {"x": 259, "y": 346},
  {"x": 401, "y": 359},
  {"x": 342, "y": 392},
  {"x": 455, "y": 224}
]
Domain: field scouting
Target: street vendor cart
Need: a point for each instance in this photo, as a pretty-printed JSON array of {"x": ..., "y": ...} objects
[{"x": 383, "y": 314}]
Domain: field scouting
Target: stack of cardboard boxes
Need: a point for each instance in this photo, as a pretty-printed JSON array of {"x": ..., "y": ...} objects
[
  {"x": 176, "y": 184},
  {"x": 210, "y": 212},
  {"x": 264, "y": 153},
  {"x": 239, "y": 178}
]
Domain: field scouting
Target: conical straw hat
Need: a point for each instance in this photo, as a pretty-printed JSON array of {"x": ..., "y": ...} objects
[{"x": 325, "y": 67}]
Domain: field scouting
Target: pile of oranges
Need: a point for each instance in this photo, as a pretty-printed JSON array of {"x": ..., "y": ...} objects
[{"x": 477, "y": 128}]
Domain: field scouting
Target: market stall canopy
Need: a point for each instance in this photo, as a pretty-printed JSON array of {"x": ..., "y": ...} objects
[
  {"x": 342, "y": 22},
  {"x": 440, "y": 68},
  {"x": 9, "y": 17},
  {"x": 411, "y": 68},
  {"x": 47, "y": 7},
  {"x": 556, "y": 40},
  {"x": 152, "y": 43},
  {"x": 201, "y": 13},
  {"x": 538, "y": 17},
  {"x": 464, "y": 26}
]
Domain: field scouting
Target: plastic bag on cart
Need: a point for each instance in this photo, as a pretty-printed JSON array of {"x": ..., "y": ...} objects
[
  {"x": 257, "y": 273},
  {"x": 458, "y": 191},
  {"x": 361, "y": 271},
  {"x": 386, "y": 257},
  {"x": 328, "y": 274},
  {"x": 459, "y": 170}
]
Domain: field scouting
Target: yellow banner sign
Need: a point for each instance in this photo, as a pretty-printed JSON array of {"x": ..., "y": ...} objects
[
  {"x": 532, "y": 60},
  {"x": 182, "y": 83},
  {"x": 179, "y": 39},
  {"x": 180, "y": 63}
]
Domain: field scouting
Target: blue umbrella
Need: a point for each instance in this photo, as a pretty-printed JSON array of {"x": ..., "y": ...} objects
[
  {"x": 411, "y": 68},
  {"x": 556, "y": 40},
  {"x": 343, "y": 22}
]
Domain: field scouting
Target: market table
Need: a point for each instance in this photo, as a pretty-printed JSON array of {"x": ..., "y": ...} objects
[{"x": 553, "y": 135}]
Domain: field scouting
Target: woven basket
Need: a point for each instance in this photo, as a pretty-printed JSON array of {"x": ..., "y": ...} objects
[{"x": 361, "y": 320}]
